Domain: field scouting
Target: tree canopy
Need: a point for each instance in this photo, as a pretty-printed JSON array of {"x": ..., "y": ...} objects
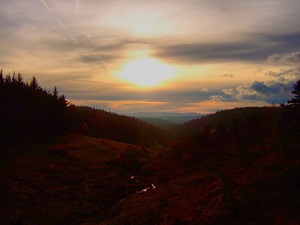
[{"x": 28, "y": 112}]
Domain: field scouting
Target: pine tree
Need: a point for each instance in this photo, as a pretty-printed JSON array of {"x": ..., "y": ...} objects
[
  {"x": 1, "y": 78},
  {"x": 14, "y": 78},
  {"x": 34, "y": 84},
  {"x": 7, "y": 79},
  {"x": 295, "y": 101},
  {"x": 20, "y": 79}
]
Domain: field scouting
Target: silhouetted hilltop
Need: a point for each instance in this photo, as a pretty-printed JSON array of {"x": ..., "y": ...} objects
[
  {"x": 231, "y": 118},
  {"x": 109, "y": 125},
  {"x": 29, "y": 113},
  {"x": 239, "y": 130},
  {"x": 165, "y": 118}
]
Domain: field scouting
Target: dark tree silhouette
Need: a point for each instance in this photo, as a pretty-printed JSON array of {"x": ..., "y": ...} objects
[
  {"x": 7, "y": 79},
  {"x": 55, "y": 93},
  {"x": 27, "y": 112},
  {"x": 20, "y": 79},
  {"x": 1, "y": 78},
  {"x": 34, "y": 84},
  {"x": 295, "y": 101}
]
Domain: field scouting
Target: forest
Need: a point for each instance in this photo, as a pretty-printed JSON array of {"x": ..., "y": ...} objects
[
  {"x": 29, "y": 113},
  {"x": 67, "y": 164}
]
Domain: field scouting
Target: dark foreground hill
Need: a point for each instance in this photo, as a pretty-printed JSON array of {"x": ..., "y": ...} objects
[
  {"x": 74, "y": 180},
  {"x": 89, "y": 181},
  {"x": 244, "y": 174},
  {"x": 57, "y": 166}
]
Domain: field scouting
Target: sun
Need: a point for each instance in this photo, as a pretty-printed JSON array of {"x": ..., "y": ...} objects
[{"x": 147, "y": 72}]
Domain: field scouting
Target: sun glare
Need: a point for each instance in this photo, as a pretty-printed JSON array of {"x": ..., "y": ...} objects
[{"x": 147, "y": 72}]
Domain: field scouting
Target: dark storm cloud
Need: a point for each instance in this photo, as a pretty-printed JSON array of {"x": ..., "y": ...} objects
[{"x": 258, "y": 48}]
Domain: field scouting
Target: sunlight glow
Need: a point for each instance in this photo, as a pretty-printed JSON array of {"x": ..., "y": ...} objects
[{"x": 147, "y": 72}]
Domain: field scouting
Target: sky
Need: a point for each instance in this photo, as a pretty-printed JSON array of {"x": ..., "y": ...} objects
[{"x": 131, "y": 56}]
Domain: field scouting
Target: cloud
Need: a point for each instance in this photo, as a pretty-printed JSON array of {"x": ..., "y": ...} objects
[
  {"x": 270, "y": 89},
  {"x": 281, "y": 74},
  {"x": 285, "y": 75},
  {"x": 245, "y": 93},
  {"x": 270, "y": 92},
  {"x": 95, "y": 58},
  {"x": 204, "y": 90},
  {"x": 63, "y": 41},
  {"x": 230, "y": 92},
  {"x": 290, "y": 63},
  {"x": 201, "y": 52},
  {"x": 227, "y": 75},
  {"x": 217, "y": 98},
  {"x": 285, "y": 59},
  {"x": 256, "y": 47}
]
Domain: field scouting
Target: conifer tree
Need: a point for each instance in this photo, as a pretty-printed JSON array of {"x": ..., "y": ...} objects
[
  {"x": 1, "y": 78},
  {"x": 14, "y": 78},
  {"x": 55, "y": 93},
  {"x": 7, "y": 79},
  {"x": 20, "y": 79},
  {"x": 33, "y": 83},
  {"x": 295, "y": 101}
]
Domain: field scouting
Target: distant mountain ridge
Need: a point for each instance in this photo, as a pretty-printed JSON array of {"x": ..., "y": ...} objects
[{"x": 165, "y": 118}]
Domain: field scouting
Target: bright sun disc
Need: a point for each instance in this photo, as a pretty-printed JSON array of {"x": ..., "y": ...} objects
[{"x": 147, "y": 72}]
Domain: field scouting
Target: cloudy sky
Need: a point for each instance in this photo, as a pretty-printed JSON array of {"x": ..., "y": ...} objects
[{"x": 159, "y": 55}]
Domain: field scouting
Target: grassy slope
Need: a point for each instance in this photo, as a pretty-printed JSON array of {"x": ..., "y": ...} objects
[
  {"x": 81, "y": 180},
  {"x": 63, "y": 183},
  {"x": 258, "y": 188}
]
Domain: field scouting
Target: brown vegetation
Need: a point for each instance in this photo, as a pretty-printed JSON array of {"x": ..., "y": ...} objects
[{"x": 237, "y": 166}]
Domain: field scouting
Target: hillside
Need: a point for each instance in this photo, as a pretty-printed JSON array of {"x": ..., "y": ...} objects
[
  {"x": 165, "y": 118},
  {"x": 109, "y": 125},
  {"x": 232, "y": 118},
  {"x": 73, "y": 180},
  {"x": 245, "y": 172},
  {"x": 85, "y": 166},
  {"x": 30, "y": 114},
  {"x": 89, "y": 181}
]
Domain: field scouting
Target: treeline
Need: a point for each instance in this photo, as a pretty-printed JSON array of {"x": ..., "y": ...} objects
[
  {"x": 109, "y": 125},
  {"x": 29, "y": 113},
  {"x": 242, "y": 130},
  {"x": 231, "y": 118},
  {"x": 233, "y": 131}
]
